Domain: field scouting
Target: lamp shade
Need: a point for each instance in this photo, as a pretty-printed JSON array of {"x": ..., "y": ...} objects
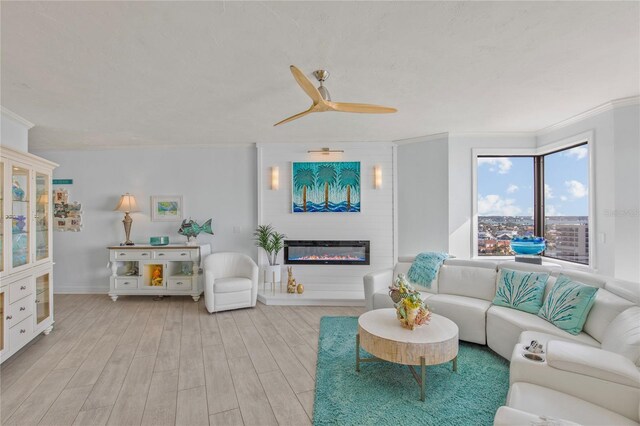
[{"x": 127, "y": 204}]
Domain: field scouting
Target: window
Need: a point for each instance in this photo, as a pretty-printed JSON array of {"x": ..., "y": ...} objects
[
  {"x": 505, "y": 202},
  {"x": 566, "y": 204},
  {"x": 539, "y": 194}
]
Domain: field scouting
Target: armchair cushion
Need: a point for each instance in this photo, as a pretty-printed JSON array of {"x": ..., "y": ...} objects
[
  {"x": 593, "y": 362},
  {"x": 231, "y": 285}
]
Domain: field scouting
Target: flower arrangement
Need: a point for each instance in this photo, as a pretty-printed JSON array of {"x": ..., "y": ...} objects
[{"x": 412, "y": 312}]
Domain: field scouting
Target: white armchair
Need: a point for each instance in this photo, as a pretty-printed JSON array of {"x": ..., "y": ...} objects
[{"x": 231, "y": 281}]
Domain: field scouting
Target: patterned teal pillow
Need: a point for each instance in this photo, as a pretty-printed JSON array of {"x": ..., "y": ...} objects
[
  {"x": 521, "y": 290},
  {"x": 568, "y": 304}
]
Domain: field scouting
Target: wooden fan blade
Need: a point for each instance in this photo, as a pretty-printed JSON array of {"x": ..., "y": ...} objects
[
  {"x": 361, "y": 108},
  {"x": 306, "y": 85},
  {"x": 293, "y": 117}
]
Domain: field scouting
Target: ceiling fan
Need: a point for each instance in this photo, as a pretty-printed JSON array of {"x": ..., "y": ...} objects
[{"x": 322, "y": 100}]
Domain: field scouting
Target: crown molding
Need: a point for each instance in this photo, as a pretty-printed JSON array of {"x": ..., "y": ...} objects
[
  {"x": 608, "y": 106},
  {"x": 39, "y": 148},
  {"x": 16, "y": 117},
  {"x": 426, "y": 138},
  {"x": 494, "y": 134}
]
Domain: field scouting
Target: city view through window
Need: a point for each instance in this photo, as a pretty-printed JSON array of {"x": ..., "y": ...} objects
[{"x": 506, "y": 188}]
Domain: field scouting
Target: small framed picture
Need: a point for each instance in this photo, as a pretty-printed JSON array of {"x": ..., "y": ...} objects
[{"x": 166, "y": 208}]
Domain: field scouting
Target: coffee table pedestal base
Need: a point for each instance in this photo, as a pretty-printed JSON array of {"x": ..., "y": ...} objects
[{"x": 420, "y": 379}]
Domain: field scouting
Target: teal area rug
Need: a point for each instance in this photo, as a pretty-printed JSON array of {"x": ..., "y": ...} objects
[{"x": 384, "y": 393}]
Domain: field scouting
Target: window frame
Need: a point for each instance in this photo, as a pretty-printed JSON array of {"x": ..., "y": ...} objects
[{"x": 537, "y": 155}]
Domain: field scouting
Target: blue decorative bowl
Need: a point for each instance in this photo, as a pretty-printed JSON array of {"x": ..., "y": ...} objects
[
  {"x": 159, "y": 241},
  {"x": 528, "y": 245}
]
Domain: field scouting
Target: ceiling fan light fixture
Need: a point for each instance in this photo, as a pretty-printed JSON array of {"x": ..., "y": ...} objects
[{"x": 325, "y": 93}]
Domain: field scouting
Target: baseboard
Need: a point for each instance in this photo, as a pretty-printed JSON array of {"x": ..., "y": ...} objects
[{"x": 79, "y": 289}]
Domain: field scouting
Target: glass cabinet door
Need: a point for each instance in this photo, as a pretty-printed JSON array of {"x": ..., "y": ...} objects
[
  {"x": 2, "y": 213},
  {"x": 42, "y": 216},
  {"x": 43, "y": 303},
  {"x": 20, "y": 226}
]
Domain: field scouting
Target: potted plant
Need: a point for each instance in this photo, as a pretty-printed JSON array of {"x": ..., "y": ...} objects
[{"x": 272, "y": 243}]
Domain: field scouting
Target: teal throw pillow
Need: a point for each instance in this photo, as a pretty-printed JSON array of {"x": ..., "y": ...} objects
[
  {"x": 568, "y": 304},
  {"x": 521, "y": 290}
]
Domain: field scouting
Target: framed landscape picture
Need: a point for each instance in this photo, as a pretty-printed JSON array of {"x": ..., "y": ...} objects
[
  {"x": 325, "y": 187},
  {"x": 166, "y": 208}
]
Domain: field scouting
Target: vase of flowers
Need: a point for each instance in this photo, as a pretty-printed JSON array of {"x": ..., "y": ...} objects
[{"x": 411, "y": 311}]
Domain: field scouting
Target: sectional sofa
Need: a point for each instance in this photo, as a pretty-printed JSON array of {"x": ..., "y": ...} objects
[{"x": 592, "y": 378}]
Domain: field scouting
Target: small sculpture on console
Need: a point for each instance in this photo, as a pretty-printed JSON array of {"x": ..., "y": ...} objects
[
  {"x": 191, "y": 230},
  {"x": 300, "y": 288},
  {"x": 291, "y": 282}
]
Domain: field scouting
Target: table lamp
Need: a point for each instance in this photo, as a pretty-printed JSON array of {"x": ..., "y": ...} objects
[{"x": 127, "y": 205}]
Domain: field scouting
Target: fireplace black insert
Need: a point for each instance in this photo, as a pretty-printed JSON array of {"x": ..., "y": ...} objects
[{"x": 334, "y": 252}]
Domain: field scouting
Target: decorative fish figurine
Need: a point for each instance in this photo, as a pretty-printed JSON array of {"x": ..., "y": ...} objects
[{"x": 191, "y": 229}]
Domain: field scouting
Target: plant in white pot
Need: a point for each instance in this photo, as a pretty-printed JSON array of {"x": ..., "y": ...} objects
[{"x": 272, "y": 243}]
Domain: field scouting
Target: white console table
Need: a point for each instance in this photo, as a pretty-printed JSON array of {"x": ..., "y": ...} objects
[{"x": 156, "y": 270}]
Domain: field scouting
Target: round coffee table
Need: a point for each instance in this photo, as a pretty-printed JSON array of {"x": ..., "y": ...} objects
[{"x": 380, "y": 334}]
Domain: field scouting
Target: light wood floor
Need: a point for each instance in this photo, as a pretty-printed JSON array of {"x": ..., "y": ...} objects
[{"x": 155, "y": 362}]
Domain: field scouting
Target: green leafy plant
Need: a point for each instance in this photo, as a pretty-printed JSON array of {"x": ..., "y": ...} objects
[{"x": 270, "y": 241}]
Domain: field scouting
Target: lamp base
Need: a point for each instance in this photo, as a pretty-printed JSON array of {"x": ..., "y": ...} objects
[{"x": 127, "y": 243}]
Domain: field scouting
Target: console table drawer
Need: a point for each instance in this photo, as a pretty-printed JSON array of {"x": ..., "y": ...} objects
[
  {"x": 183, "y": 284},
  {"x": 126, "y": 283},
  {"x": 130, "y": 255},
  {"x": 186, "y": 255},
  {"x": 20, "y": 289},
  {"x": 21, "y": 333},
  {"x": 19, "y": 311}
]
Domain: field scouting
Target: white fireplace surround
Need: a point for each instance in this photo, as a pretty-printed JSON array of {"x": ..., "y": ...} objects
[{"x": 330, "y": 284}]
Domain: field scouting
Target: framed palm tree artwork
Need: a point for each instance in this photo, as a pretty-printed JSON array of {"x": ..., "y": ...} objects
[{"x": 325, "y": 187}]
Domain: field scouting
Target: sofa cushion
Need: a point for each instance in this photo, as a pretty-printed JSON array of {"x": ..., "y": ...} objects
[
  {"x": 606, "y": 307},
  {"x": 231, "y": 284},
  {"x": 626, "y": 289},
  {"x": 623, "y": 335},
  {"x": 505, "y": 325},
  {"x": 520, "y": 290},
  {"x": 381, "y": 299},
  {"x": 568, "y": 304},
  {"x": 548, "y": 402},
  {"x": 468, "y": 313},
  {"x": 469, "y": 281},
  {"x": 593, "y": 362},
  {"x": 507, "y": 416}
]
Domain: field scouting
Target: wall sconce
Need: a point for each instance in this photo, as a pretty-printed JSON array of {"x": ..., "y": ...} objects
[
  {"x": 325, "y": 151},
  {"x": 377, "y": 177},
  {"x": 275, "y": 178}
]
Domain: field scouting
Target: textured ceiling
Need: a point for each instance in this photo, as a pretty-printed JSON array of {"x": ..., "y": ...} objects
[{"x": 122, "y": 73}]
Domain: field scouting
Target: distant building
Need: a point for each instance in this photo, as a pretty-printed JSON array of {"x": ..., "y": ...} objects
[{"x": 571, "y": 242}]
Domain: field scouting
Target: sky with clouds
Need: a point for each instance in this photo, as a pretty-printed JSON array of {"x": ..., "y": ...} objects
[{"x": 505, "y": 184}]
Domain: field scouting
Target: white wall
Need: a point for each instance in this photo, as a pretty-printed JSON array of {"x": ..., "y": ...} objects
[
  {"x": 460, "y": 197},
  {"x": 375, "y": 222},
  {"x": 423, "y": 195},
  {"x": 616, "y": 154},
  {"x": 216, "y": 183},
  {"x": 14, "y": 132},
  {"x": 627, "y": 195}
]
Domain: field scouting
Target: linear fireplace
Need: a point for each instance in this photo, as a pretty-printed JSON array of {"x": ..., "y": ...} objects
[{"x": 335, "y": 252}]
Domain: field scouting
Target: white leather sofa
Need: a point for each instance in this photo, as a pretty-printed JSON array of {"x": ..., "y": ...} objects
[
  {"x": 231, "y": 281},
  {"x": 591, "y": 378}
]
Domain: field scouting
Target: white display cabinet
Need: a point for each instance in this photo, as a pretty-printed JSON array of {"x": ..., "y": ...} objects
[{"x": 26, "y": 289}]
